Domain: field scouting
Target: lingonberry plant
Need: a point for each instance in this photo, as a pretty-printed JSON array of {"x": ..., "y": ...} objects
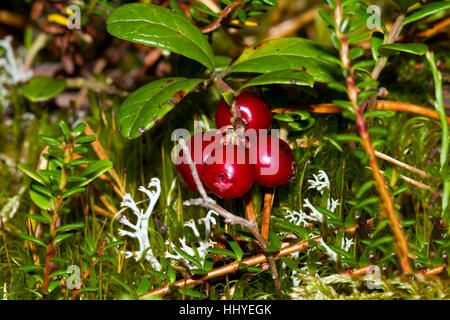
[{"x": 246, "y": 149}]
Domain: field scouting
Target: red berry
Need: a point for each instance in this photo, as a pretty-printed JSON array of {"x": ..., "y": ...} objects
[
  {"x": 198, "y": 147},
  {"x": 274, "y": 167},
  {"x": 228, "y": 173},
  {"x": 254, "y": 111}
]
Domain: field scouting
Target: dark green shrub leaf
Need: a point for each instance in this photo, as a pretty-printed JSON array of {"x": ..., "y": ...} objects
[
  {"x": 160, "y": 27},
  {"x": 287, "y": 53},
  {"x": 144, "y": 107}
]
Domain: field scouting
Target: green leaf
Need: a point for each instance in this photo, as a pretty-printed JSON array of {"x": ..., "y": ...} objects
[
  {"x": 63, "y": 236},
  {"x": 366, "y": 186},
  {"x": 114, "y": 244},
  {"x": 236, "y": 249},
  {"x": 86, "y": 139},
  {"x": 70, "y": 227},
  {"x": 271, "y": 3},
  {"x": 380, "y": 241},
  {"x": 38, "y": 217},
  {"x": 283, "y": 117},
  {"x": 160, "y": 27},
  {"x": 53, "y": 285},
  {"x": 95, "y": 170},
  {"x": 73, "y": 191},
  {"x": 302, "y": 233},
  {"x": 43, "y": 88},
  {"x": 32, "y": 173},
  {"x": 189, "y": 258},
  {"x": 144, "y": 286},
  {"x": 123, "y": 285},
  {"x": 342, "y": 252},
  {"x": 414, "y": 48},
  {"x": 274, "y": 242},
  {"x": 294, "y": 77},
  {"x": 426, "y": 10},
  {"x": 347, "y": 137},
  {"x": 375, "y": 42},
  {"x": 192, "y": 293},
  {"x": 144, "y": 107},
  {"x": 51, "y": 141},
  {"x": 287, "y": 53},
  {"x": 79, "y": 129},
  {"x": 221, "y": 251},
  {"x": 32, "y": 239},
  {"x": 42, "y": 201},
  {"x": 327, "y": 213},
  {"x": 31, "y": 268}
]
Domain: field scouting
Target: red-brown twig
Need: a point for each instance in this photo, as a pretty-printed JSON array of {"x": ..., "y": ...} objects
[{"x": 387, "y": 204}]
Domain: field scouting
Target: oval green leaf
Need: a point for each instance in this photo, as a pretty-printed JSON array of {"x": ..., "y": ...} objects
[
  {"x": 288, "y": 53},
  {"x": 43, "y": 88},
  {"x": 160, "y": 27},
  {"x": 142, "y": 109}
]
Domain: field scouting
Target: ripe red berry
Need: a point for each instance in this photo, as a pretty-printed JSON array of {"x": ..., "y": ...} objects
[
  {"x": 254, "y": 111},
  {"x": 198, "y": 147},
  {"x": 274, "y": 167},
  {"x": 228, "y": 173}
]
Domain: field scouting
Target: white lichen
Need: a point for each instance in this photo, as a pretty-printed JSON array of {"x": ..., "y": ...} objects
[
  {"x": 203, "y": 244},
  {"x": 140, "y": 228},
  {"x": 11, "y": 69},
  {"x": 310, "y": 214}
]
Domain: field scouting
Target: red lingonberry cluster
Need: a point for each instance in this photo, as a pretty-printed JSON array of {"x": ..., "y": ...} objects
[{"x": 229, "y": 171}]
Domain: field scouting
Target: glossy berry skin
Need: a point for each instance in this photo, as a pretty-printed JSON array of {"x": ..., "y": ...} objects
[
  {"x": 277, "y": 167},
  {"x": 197, "y": 146},
  {"x": 254, "y": 111},
  {"x": 228, "y": 175}
]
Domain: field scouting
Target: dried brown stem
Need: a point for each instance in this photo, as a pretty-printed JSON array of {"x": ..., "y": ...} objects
[
  {"x": 397, "y": 106},
  {"x": 223, "y": 15},
  {"x": 249, "y": 207},
  {"x": 265, "y": 225}
]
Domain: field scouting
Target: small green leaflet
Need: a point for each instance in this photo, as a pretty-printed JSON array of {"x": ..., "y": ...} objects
[
  {"x": 414, "y": 48},
  {"x": 144, "y": 107},
  {"x": 160, "y": 27}
]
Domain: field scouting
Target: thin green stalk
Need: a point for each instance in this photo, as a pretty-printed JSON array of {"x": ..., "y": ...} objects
[{"x": 445, "y": 142}]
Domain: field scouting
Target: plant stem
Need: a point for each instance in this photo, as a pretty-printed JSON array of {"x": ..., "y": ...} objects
[
  {"x": 445, "y": 142},
  {"x": 387, "y": 205}
]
